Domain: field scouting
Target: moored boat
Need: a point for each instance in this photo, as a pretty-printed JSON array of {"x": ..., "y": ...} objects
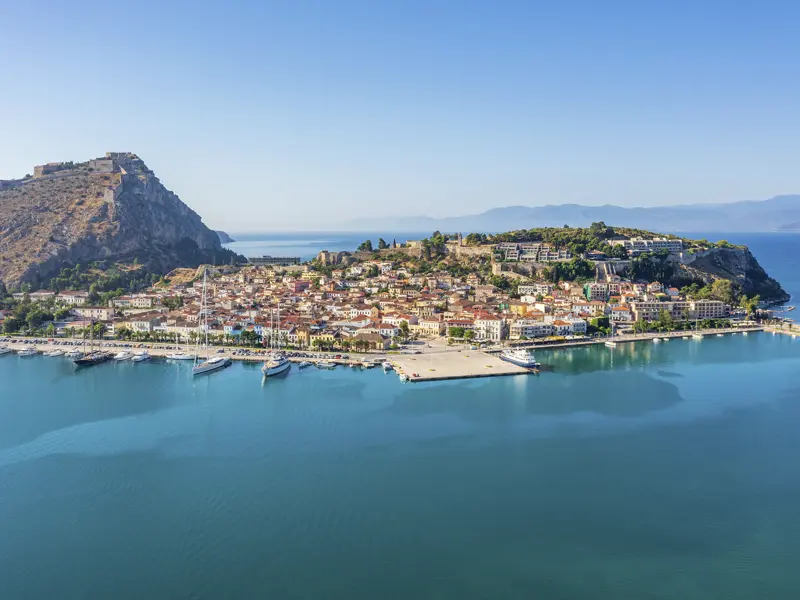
[
  {"x": 181, "y": 356},
  {"x": 304, "y": 364},
  {"x": 275, "y": 364},
  {"x": 212, "y": 364},
  {"x": 521, "y": 357},
  {"x": 123, "y": 355},
  {"x": 610, "y": 344},
  {"x": 5, "y": 350},
  {"x": 326, "y": 364},
  {"x": 141, "y": 356},
  {"x": 56, "y": 352},
  {"x": 93, "y": 358},
  {"x": 27, "y": 351}
]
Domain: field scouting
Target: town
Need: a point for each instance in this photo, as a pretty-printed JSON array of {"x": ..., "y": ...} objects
[{"x": 451, "y": 288}]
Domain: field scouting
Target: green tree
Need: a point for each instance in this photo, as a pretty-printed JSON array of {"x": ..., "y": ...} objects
[
  {"x": 404, "y": 328},
  {"x": 365, "y": 246},
  {"x": 382, "y": 245}
]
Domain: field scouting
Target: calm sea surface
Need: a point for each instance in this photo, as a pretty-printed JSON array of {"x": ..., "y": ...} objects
[{"x": 663, "y": 471}]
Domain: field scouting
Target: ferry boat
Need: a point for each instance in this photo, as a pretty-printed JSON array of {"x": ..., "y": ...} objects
[
  {"x": 124, "y": 355},
  {"x": 141, "y": 356},
  {"x": 520, "y": 357},
  {"x": 93, "y": 358},
  {"x": 5, "y": 350},
  {"x": 27, "y": 351},
  {"x": 56, "y": 352},
  {"x": 275, "y": 364}
]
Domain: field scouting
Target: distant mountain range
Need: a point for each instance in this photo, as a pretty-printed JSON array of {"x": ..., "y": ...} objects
[{"x": 781, "y": 213}]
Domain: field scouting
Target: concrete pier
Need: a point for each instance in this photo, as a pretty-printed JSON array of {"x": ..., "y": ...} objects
[{"x": 438, "y": 366}]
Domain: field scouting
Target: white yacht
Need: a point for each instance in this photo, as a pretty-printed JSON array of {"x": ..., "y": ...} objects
[
  {"x": 124, "y": 355},
  {"x": 367, "y": 364},
  {"x": 326, "y": 364},
  {"x": 181, "y": 356},
  {"x": 212, "y": 363},
  {"x": 74, "y": 353},
  {"x": 275, "y": 364},
  {"x": 656, "y": 340},
  {"x": 403, "y": 377},
  {"x": 141, "y": 356},
  {"x": 27, "y": 351},
  {"x": 520, "y": 357},
  {"x": 304, "y": 364},
  {"x": 5, "y": 350},
  {"x": 56, "y": 352},
  {"x": 610, "y": 344},
  {"x": 387, "y": 366}
]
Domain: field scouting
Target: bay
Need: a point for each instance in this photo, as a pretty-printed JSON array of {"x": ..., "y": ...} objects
[{"x": 663, "y": 471}]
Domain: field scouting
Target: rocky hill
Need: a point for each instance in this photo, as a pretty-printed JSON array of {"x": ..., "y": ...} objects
[{"x": 111, "y": 209}]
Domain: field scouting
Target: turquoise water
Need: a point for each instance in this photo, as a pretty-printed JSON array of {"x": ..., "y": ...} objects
[{"x": 647, "y": 471}]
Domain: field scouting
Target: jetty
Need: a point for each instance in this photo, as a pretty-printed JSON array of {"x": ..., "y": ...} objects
[{"x": 453, "y": 364}]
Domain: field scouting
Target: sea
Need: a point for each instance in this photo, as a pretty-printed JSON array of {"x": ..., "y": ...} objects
[{"x": 658, "y": 471}]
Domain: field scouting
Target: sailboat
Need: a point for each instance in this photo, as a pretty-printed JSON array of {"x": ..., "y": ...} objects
[
  {"x": 210, "y": 363},
  {"x": 94, "y": 357},
  {"x": 180, "y": 354},
  {"x": 276, "y": 362}
]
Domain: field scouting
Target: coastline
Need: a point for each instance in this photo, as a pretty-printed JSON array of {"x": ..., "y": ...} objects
[{"x": 438, "y": 363}]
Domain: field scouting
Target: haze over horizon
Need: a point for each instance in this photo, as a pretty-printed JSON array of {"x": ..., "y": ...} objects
[{"x": 306, "y": 115}]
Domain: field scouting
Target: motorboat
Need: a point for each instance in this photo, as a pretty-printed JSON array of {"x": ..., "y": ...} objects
[
  {"x": 123, "y": 355},
  {"x": 521, "y": 357},
  {"x": 5, "y": 350},
  {"x": 367, "y": 364},
  {"x": 56, "y": 352},
  {"x": 27, "y": 351},
  {"x": 656, "y": 340},
  {"x": 403, "y": 377},
  {"x": 387, "y": 366},
  {"x": 141, "y": 356},
  {"x": 304, "y": 364},
  {"x": 74, "y": 353},
  {"x": 610, "y": 344},
  {"x": 697, "y": 336},
  {"x": 326, "y": 364},
  {"x": 275, "y": 364}
]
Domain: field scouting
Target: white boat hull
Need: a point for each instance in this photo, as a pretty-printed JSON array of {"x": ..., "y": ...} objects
[
  {"x": 5, "y": 351},
  {"x": 210, "y": 365},
  {"x": 528, "y": 364},
  {"x": 181, "y": 356},
  {"x": 276, "y": 370},
  {"x": 141, "y": 358}
]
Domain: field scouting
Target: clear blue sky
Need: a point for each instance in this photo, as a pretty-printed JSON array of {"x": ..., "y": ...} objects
[{"x": 269, "y": 115}]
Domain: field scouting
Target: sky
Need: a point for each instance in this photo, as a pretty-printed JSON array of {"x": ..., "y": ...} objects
[{"x": 303, "y": 115}]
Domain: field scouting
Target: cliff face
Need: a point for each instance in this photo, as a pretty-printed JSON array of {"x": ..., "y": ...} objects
[
  {"x": 112, "y": 209},
  {"x": 740, "y": 266}
]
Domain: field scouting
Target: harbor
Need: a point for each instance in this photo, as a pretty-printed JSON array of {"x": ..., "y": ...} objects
[{"x": 433, "y": 361}]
